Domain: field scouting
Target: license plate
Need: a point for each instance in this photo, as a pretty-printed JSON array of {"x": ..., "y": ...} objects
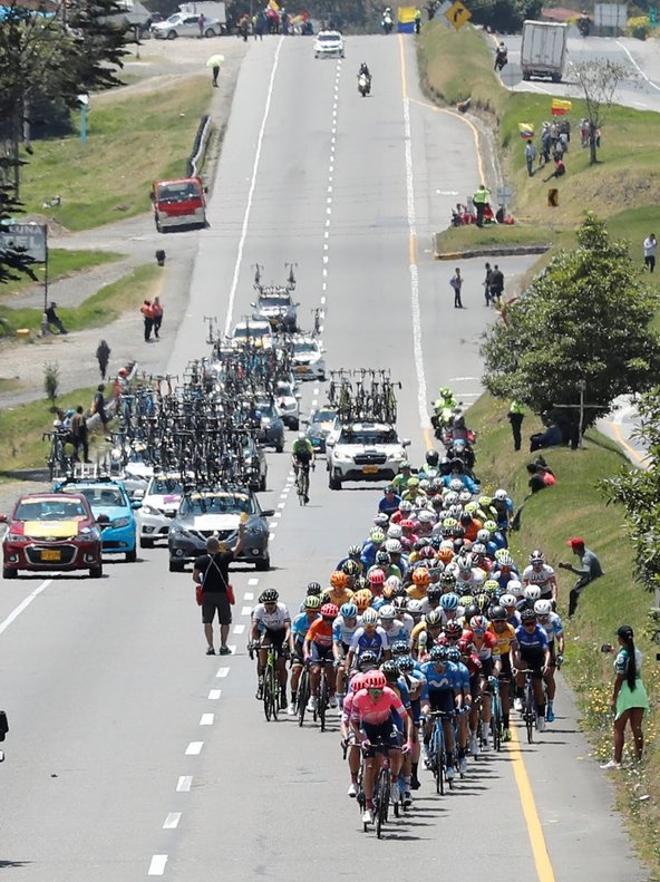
[
  {"x": 51, "y": 554},
  {"x": 369, "y": 470}
]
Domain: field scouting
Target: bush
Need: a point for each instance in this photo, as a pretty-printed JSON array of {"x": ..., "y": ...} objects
[{"x": 638, "y": 27}]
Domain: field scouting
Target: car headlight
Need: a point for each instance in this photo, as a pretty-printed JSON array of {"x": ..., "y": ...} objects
[
  {"x": 89, "y": 533},
  {"x": 16, "y": 537},
  {"x": 342, "y": 456},
  {"x": 120, "y": 522},
  {"x": 150, "y": 510},
  {"x": 396, "y": 455}
]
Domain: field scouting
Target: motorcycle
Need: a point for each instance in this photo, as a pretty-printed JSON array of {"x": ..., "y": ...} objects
[
  {"x": 364, "y": 85},
  {"x": 501, "y": 59},
  {"x": 387, "y": 24},
  {"x": 584, "y": 26}
]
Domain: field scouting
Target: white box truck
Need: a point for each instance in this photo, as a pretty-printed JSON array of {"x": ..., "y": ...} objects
[{"x": 543, "y": 50}]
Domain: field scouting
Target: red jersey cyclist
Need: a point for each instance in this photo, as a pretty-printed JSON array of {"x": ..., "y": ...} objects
[{"x": 317, "y": 649}]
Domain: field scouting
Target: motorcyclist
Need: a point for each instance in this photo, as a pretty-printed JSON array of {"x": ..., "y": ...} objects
[
  {"x": 501, "y": 56},
  {"x": 366, "y": 73}
]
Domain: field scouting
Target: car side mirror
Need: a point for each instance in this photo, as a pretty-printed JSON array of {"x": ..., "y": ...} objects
[
  {"x": 206, "y": 189},
  {"x": 103, "y": 519},
  {"x": 137, "y": 503},
  {"x": 305, "y": 422},
  {"x": 298, "y": 397},
  {"x": 268, "y": 512},
  {"x": 139, "y": 494},
  {"x": 330, "y": 443},
  {"x": 253, "y": 305},
  {"x": 406, "y": 442}
]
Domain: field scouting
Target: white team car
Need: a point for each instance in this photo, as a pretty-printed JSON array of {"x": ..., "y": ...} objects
[
  {"x": 160, "y": 504},
  {"x": 364, "y": 452},
  {"x": 329, "y": 43},
  {"x": 308, "y": 362},
  {"x": 288, "y": 404},
  {"x": 256, "y": 332}
]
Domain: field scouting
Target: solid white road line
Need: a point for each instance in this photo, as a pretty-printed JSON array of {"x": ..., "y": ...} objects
[
  {"x": 184, "y": 784},
  {"x": 641, "y": 72},
  {"x": 171, "y": 822},
  {"x": 207, "y": 720},
  {"x": 194, "y": 748},
  {"x": 214, "y": 694},
  {"x": 253, "y": 183},
  {"x": 157, "y": 865},
  {"x": 23, "y": 605}
]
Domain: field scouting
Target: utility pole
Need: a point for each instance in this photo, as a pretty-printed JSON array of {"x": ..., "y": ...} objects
[{"x": 581, "y": 407}]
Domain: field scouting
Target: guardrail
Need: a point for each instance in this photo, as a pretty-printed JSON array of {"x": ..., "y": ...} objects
[{"x": 199, "y": 146}]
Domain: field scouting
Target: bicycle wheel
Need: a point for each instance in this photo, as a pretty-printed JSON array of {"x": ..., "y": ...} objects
[
  {"x": 439, "y": 764},
  {"x": 496, "y": 722},
  {"x": 323, "y": 701},
  {"x": 382, "y": 799},
  {"x": 303, "y": 697},
  {"x": 276, "y": 693},
  {"x": 268, "y": 694},
  {"x": 530, "y": 713}
]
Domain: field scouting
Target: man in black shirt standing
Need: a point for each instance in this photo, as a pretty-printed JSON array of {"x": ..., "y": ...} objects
[{"x": 211, "y": 571}]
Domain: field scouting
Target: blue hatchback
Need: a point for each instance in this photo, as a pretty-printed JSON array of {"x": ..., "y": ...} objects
[{"x": 113, "y": 510}]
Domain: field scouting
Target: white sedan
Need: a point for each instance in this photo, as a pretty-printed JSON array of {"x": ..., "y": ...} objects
[
  {"x": 308, "y": 362},
  {"x": 160, "y": 504},
  {"x": 329, "y": 44},
  {"x": 185, "y": 24}
]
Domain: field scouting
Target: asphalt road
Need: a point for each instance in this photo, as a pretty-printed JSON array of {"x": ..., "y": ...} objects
[
  {"x": 640, "y": 90},
  {"x": 131, "y": 752}
]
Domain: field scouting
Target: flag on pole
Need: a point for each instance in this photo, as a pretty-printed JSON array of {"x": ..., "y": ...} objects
[
  {"x": 526, "y": 131},
  {"x": 559, "y": 107},
  {"x": 274, "y": 5}
]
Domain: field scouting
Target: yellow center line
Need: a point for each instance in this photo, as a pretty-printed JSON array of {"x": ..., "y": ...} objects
[{"x": 635, "y": 454}]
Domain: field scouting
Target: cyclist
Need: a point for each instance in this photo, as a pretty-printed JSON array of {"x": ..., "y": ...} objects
[
  {"x": 369, "y": 636},
  {"x": 393, "y": 627},
  {"x": 343, "y": 629},
  {"x": 425, "y": 634},
  {"x": 299, "y": 629},
  {"x": 348, "y": 736},
  {"x": 371, "y": 721},
  {"x": 539, "y": 573},
  {"x": 455, "y": 657},
  {"x": 414, "y": 681},
  {"x": 534, "y": 654},
  {"x": 317, "y": 649},
  {"x": 554, "y": 628},
  {"x": 505, "y": 637},
  {"x": 338, "y": 592},
  {"x": 354, "y": 552},
  {"x": 400, "y": 783},
  {"x": 271, "y": 626},
  {"x": 302, "y": 456},
  {"x": 484, "y": 642},
  {"x": 439, "y": 690}
]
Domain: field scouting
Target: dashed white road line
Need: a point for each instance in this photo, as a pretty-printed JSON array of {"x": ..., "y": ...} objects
[
  {"x": 184, "y": 784},
  {"x": 238, "y": 629},
  {"x": 194, "y": 748},
  {"x": 157, "y": 865},
  {"x": 246, "y": 611},
  {"x": 253, "y": 581},
  {"x": 248, "y": 596},
  {"x": 214, "y": 694},
  {"x": 171, "y": 822},
  {"x": 207, "y": 720},
  {"x": 281, "y": 504},
  {"x": 222, "y": 673}
]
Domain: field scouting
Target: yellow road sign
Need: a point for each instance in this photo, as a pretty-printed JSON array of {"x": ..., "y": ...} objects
[{"x": 458, "y": 14}]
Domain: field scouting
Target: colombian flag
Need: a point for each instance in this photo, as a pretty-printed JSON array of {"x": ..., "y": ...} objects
[
  {"x": 558, "y": 107},
  {"x": 526, "y": 131},
  {"x": 274, "y": 5},
  {"x": 406, "y": 19}
]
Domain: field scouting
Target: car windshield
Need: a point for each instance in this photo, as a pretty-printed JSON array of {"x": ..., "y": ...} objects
[
  {"x": 175, "y": 19},
  {"x": 50, "y": 510},
  {"x": 252, "y": 331},
  {"x": 105, "y": 497},
  {"x": 217, "y": 503},
  {"x": 305, "y": 346},
  {"x": 178, "y": 191},
  {"x": 284, "y": 389},
  {"x": 266, "y": 410},
  {"x": 368, "y": 436},
  {"x": 276, "y": 300},
  {"x": 323, "y": 416},
  {"x": 165, "y": 487},
  {"x": 328, "y": 38}
]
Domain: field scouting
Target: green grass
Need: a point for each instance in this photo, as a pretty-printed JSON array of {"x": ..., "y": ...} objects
[
  {"x": 127, "y": 293},
  {"x": 133, "y": 140},
  {"x": 575, "y": 506},
  {"x": 62, "y": 263},
  {"x": 21, "y": 428}
]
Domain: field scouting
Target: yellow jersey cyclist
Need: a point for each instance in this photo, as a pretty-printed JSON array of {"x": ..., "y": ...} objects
[{"x": 505, "y": 646}]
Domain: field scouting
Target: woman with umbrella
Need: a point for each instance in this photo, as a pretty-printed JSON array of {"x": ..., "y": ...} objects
[{"x": 214, "y": 63}]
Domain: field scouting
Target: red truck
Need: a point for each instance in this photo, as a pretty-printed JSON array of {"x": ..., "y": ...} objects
[{"x": 179, "y": 203}]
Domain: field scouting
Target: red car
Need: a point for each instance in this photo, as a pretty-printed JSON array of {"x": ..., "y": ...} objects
[{"x": 51, "y": 531}]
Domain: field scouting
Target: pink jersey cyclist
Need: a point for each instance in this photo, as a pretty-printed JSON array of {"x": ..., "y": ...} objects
[{"x": 370, "y": 713}]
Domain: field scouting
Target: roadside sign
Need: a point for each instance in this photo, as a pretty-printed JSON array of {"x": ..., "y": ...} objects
[
  {"x": 32, "y": 238},
  {"x": 457, "y": 15},
  {"x": 440, "y": 12}
]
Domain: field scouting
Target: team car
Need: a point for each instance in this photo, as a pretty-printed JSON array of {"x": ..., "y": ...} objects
[
  {"x": 218, "y": 513},
  {"x": 255, "y": 333},
  {"x": 321, "y": 423},
  {"x": 270, "y": 426},
  {"x": 113, "y": 511},
  {"x": 51, "y": 531},
  {"x": 288, "y": 404},
  {"x": 364, "y": 452},
  {"x": 307, "y": 360},
  {"x": 276, "y": 306},
  {"x": 160, "y": 504},
  {"x": 328, "y": 44}
]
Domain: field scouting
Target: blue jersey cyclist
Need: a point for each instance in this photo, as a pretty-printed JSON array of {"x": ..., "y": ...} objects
[
  {"x": 534, "y": 655},
  {"x": 299, "y": 628},
  {"x": 445, "y": 689}
]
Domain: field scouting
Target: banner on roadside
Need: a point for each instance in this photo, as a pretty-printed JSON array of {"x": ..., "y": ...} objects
[{"x": 406, "y": 19}]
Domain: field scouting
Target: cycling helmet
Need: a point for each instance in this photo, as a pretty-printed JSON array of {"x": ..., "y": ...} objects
[
  {"x": 427, "y": 553},
  {"x": 270, "y": 595},
  {"x": 465, "y": 600},
  {"x": 377, "y": 536},
  {"x": 357, "y": 683},
  {"x": 421, "y": 543},
  {"x": 312, "y": 602},
  {"x": 514, "y": 586},
  {"x": 470, "y": 508},
  {"x": 375, "y": 680},
  {"x": 504, "y": 559},
  {"x": 482, "y": 601},
  {"x": 399, "y": 647},
  {"x": 421, "y": 576},
  {"x": 479, "y": 624},
  {"x": 491, "y": 526},
  {"x": 370, "y": 617},
  {"x": 362, "y": 599},
  {"x": 393, "y": 546},
  {"x": 368, "y": 657},
  {"x": 354, "y": 550},
  {"x": 412, "y": 482},
  {"x": 406, "y": 664},
  {"x": 393, "y": 582},
  {"x": 445, "y": 554},
  {"x": 382, "y": 559},
  {"x": 438, "y": 654},
  {"x": 338, "y": 579},
  {"x": 498, "y": 614},
  {"x": 471, "y": 611},
  {"x": 391, "y": 670},
  {"x": 500, "y": 494},
  {"x": 394, "y": 531},
  {"x": 434, "y": 619},
  {"x": 414, "y": 607},
  {"x": 456, "y": 485},
  {"x": 532, "y": 592},
  {"x": 483, "y": 536},
  {"x": 491, "y": 586},
  {"x": 314, "y": 589},
  {"x": 453, "y": 630},
  {"x": 376, "y": 577},
  {"x": 464, "y": 564},
  {"x": 527, "y": 615},
  {"x": 405, "y": 507},
  {"x": 453, "y": 654},
  {"x": 485, "y": 501},
  {"x": 543, "y": 607},
  {"x": 348, "y": 610},
  {"x": 387, "y": 612},
  {"x": 350, "y": 568},
  {"x": 434, "y": 593},
  {"x": 508, "y": 600},
  {"x": 478, "y": 549},
  {"x": 329, "y": 610},
  {"x": 360, "y": 582},
  {"x": 449, "y": 601},
  {"x": 381, "y": 520},
  {"x": 464, "y": 496},
  {"x": 537, "y": 556},
  {"x": 426, "y": 517}
]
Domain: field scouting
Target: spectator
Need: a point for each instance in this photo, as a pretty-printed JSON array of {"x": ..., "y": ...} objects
[
  {"x": 215, "y": 70},
  {"x": 540, "y": 476},
  {"x": 516, "y": 416},
  {"x": 551, "y": 437},
  {"x": 589, "y": 569},
  {"x": 456, "y": 283},
  {"x": 560, "y": 169},
  {"x": 487, "y": 281},
  {"x": 98, "y": 405},
  {"x": 52, "y": 318},
  {"x": 481, "y": 199},
  {"x": 148, "y": 315},
  {"x": 629, "y": 698},
  {"x": 496, "y": 284},
  {"x": 211, "y": 572},
  {"x": 79, "y": 433},
  {"x": 650, "y": 248},
  {"x": 200, "y": 24},
  {"x": 546, "y": 145},
  {"x": 103, "y": 357},
  {"x": 584, "y": 132},
  {"x": 530, "y": 156},
  {"x": 157, "y": 311}
]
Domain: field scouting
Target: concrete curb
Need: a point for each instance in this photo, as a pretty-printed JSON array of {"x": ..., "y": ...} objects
[{"x": 488, "y": 251}]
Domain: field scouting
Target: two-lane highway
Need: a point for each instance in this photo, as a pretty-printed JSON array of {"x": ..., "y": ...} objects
[{"x": 132, "y": 754}]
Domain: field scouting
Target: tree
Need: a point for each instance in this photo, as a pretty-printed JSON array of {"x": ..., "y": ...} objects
[
  {"x": 599, "y": 80},
  {"x": 585, "y": 318},
  {"x": 13, "y": 262},
  {"x": 638, "y": 490}
]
